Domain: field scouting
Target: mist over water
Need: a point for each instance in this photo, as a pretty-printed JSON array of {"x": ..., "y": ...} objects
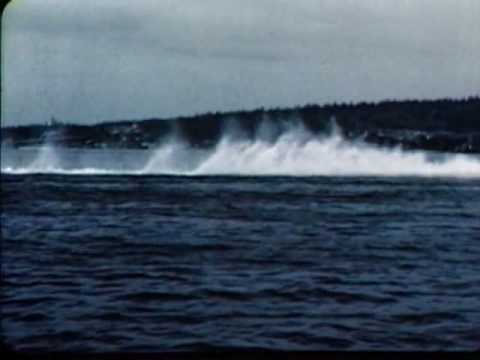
[{"x": 287, "y": 150}]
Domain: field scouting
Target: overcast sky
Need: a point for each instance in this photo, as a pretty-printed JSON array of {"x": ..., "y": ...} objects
[{"x": 95, "y": 60}]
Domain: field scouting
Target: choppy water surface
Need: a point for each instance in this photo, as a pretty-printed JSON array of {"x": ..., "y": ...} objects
[{"x": 152, "y": 263}]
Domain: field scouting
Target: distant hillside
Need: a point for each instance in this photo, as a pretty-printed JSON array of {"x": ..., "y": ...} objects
[{"x": 443, "y": 125}]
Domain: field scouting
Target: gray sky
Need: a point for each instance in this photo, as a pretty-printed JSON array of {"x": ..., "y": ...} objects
[{"x": 94, "y": 60}]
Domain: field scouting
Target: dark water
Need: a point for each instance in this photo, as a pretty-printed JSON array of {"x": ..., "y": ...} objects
[{"x": 152, "y": 263}]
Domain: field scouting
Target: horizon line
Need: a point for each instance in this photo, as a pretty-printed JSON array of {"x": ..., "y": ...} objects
[{"x": 252, "y": 110}]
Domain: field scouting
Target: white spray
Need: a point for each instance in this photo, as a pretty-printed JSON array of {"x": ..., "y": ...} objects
[{"x": 274, "y": 150}]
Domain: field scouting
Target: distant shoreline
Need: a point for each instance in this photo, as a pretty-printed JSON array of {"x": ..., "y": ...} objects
[{"x": 439, "y": 125}]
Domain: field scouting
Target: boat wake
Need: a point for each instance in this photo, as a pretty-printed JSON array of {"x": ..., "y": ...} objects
[{"x": 293, "y": 151}]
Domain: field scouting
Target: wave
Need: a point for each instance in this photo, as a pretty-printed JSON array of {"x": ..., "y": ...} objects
[{"x": 290, "y": 151}]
